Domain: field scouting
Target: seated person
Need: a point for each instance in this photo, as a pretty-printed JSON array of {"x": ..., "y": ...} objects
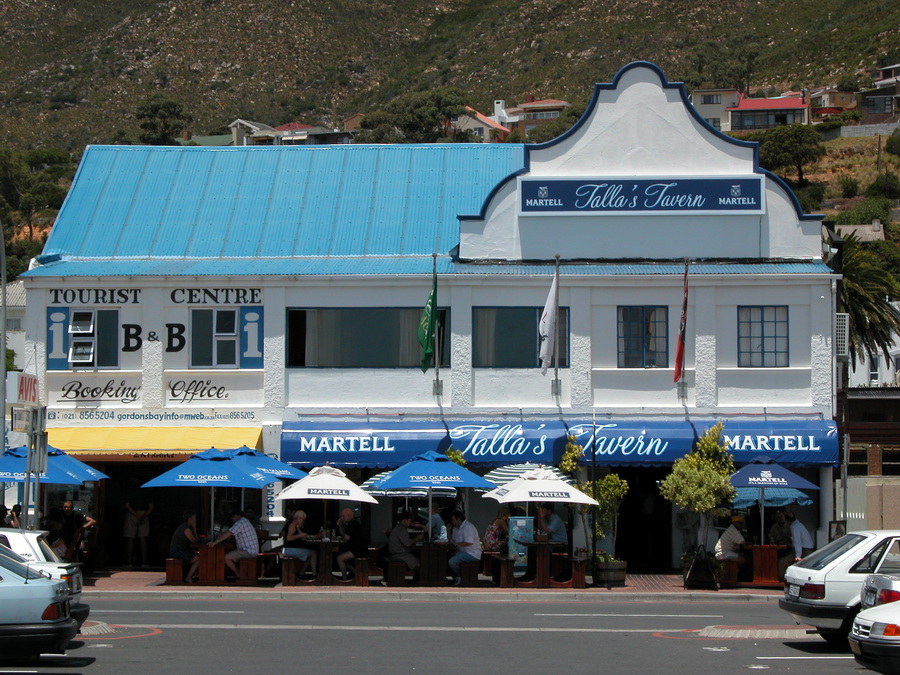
[
  {"x": 292, "y": 544},
  {"x": 400, "y": 542},
  {"x": 464, "y": 537},
  {"x": 496, "y": 537},
  {"x": 246, "y": 543},
  {"x": 437, "y": 527},
  {"x": 553, "y": 525},
  {"x": 184, "y": 538},
  {"x": 730, "y": 542},
  {"x": 780, "y": 532},
  {"x": 354, "y": 543}
]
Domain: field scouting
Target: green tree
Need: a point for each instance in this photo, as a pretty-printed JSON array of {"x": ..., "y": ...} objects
[
  {"x": 790, "y": 146},
  {"x": 866, "y": 292},
  {"x": 700, "y": 481},
  {"x": 892, "y": 145},
  {"x": 417, "y": 117},
  {"x": 162, "y": 119},
  {"x": 550, "y": 130}
]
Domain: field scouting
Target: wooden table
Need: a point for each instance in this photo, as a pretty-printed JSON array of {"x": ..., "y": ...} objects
[
  {"x": 538, "y": 573},
  {"x": 765, "y": 564},
  {"x": 324, "y": 559},
  {"x": 212, "y": 564},
  {"x": 433, "y": 563}
]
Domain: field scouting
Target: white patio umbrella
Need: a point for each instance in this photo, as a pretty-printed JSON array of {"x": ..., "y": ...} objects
[
  {"x": 504, "y": 474},
  {"x": 326, "y": 483},
  {"x": 373, "y": 487},
  {"x": 539, "y": 485}
]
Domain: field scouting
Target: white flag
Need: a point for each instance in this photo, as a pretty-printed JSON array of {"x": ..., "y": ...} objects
[{"x": 547, "y": 326}]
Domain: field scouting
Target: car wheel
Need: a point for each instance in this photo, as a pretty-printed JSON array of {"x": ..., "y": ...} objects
[{"x": 836, "y": 638}]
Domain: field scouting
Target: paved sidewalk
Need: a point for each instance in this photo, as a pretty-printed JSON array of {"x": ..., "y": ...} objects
[{"x": 638, "y": 587}]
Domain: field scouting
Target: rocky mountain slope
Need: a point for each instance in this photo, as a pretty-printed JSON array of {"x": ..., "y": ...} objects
[{"x": 73, "y": 71}]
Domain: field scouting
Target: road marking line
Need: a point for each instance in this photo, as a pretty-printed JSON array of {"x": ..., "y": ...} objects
[
  {"x": 647, "y": 616},
  {"x": 804, "y": 658},
  {"x": 169, "y": 611},
  {"x": 436, "y": 629}
]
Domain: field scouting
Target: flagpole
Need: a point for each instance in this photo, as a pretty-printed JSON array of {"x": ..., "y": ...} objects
[
  {"x": 556, "y": 331},
  {"x": 682, "y": 338},
  {"x": 435, "y": 358}
]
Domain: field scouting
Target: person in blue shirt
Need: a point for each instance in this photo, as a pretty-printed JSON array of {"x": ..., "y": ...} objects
[
  {"x": 553, "y": 525},
  {"x": 436, "y": 525}
]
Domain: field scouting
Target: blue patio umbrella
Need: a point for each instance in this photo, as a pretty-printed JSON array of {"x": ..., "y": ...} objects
[
  {"x": 433, "y": 470},
  {"x": 13, "y": 464},
  {"x": 74, "y": 465},
  {"x": 266, "y": 465},
  {"x": 238, "y": 468},
  {"x": 764, "y": 474}
]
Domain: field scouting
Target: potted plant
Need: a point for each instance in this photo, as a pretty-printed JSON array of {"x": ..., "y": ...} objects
[
  {"x": 700, "y": 483},
  {"x": 609, "y": 492}
]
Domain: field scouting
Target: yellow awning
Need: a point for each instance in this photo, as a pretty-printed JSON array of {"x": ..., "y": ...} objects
[{"x": 151, "y": 440}]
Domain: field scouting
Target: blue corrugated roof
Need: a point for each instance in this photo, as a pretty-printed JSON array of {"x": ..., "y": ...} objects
[{"x": 274, "y": 202}]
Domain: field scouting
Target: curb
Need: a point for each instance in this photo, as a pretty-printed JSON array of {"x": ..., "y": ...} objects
[{"x": 428, "y": 594}]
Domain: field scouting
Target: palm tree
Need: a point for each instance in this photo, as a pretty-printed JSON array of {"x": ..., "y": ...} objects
[{"x": 866, "y": 292}]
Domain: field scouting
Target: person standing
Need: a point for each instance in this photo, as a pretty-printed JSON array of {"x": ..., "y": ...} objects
[
  {"x": 138, "y": 508},
  {"x": 468, "y": 545},
  {"x": 74, "y": 527},
  {"x": 245, "y": 541},
  {"x": 801, "y": 543}
]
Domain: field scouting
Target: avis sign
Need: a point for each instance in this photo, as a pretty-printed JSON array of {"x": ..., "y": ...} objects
[{"x": 22, "y": 389}]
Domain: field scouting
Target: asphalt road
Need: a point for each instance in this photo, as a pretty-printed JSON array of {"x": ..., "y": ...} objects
[{"x": 171, "y": 635}]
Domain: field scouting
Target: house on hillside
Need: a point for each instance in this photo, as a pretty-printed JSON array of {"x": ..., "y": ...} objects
[
  {"x": 15, "y": 322},
  {"x": 828, "y": 101},
  {"x": 526, "y": 116},
  {"x": 881, "y": 105},
  {"x": 245, "y": 132},
  {"x": 712, "y": 105},
  {"x": 482, "y": 126},
  {"x": 754, "y": 114}
]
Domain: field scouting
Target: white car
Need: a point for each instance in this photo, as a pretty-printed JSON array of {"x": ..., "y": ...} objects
[
  {"x": 32, "y": 546},
  {"x": 823, "y": 589},
  {"x": 875, "y": 638},
  {"x": 34, "y": 612}
]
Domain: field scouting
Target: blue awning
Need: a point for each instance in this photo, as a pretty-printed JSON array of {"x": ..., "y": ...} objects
[{"x": 607, "y": 442}]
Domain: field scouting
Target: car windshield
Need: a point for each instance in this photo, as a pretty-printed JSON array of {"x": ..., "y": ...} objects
[
  {"x": 830, "y": 552},
  {"x": 18, "y": 568}
]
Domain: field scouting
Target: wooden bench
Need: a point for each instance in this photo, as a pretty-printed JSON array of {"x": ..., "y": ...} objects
[
  {"x": 573, "y": 568},
  {"x": 728, "y": 576},
  {"x": 468, "y": 573},
  {"x": 289, "y": 571},
  {"x": 396, "y": 573},
  {"x": 360, "y": 576},
  {"x": 176, "y": 568},
  {"x": 500, "y": 568}
]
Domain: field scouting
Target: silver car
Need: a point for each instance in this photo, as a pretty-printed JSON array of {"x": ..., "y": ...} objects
[{"x": 879, "y": 589}]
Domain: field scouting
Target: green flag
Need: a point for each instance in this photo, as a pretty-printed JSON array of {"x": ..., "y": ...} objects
[{"x": 426, "y": 327}]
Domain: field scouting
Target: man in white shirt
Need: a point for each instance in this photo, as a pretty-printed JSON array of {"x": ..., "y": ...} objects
[
  {"x": 801, "y": 544},
  {"x": 730, "y": 542},
  {"x": 468, "y": 544}
]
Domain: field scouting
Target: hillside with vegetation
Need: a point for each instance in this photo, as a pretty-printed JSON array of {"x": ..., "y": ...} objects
[{"x": 73, "y": 72}]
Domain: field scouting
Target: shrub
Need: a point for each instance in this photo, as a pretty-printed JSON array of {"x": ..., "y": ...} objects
[
  {"x": 885, "y": 185},
  {"x": 893, "y": 143},
  {"x": 865, "y": 212},
  {"x": 810, "y": 197},
  {"x": 848, "y": 186}
]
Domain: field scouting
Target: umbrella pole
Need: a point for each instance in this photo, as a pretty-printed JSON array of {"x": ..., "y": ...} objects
[
  {"x": 429, "y": 513},
  {"x": 762, "y": 515}
]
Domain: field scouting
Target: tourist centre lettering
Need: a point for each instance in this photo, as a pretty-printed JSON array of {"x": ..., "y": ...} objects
[{"x": 622, "y": 196}]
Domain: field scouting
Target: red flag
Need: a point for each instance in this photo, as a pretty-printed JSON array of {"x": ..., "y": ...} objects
[{"x": 679, "y": 350}]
